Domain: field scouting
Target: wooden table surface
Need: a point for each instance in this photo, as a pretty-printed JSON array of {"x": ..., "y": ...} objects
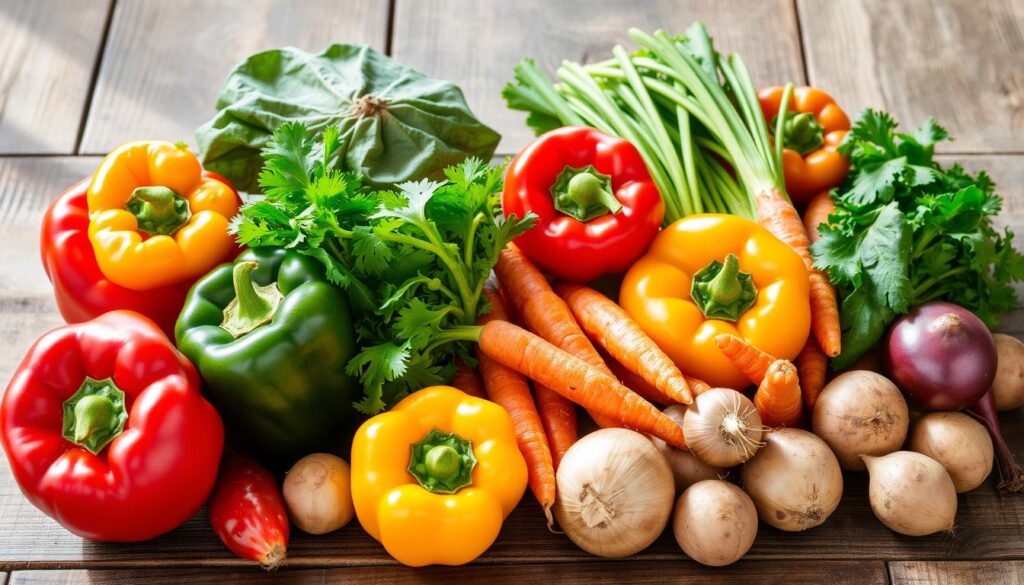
[{"x": 78, "y": 77}]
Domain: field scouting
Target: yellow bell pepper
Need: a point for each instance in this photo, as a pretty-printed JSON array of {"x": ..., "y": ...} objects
[
  {"x": 434, "y": 478},
  {"x": 710, "y": 274},
  {"x": 155, "y": 219}
]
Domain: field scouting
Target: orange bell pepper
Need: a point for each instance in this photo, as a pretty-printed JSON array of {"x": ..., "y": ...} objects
[
  {"x": 709, "y": 274},
  {"x": 155, "y": 220},
  {"x": 810, "y": 160}
]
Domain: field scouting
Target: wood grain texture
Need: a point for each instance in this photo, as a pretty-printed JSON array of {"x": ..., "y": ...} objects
[
  {"x": 49, "y": 50},
  {"x": 957, "y": 60},
  {"x": 625, "y": 573},
  {"x": 956, "y": 572},
  {"x": 478, "y": 49},
  {"x": 27, "y": 309},
  {"x": 166, "y": 60}
]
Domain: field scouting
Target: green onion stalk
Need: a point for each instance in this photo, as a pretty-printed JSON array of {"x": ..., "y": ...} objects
[{"x": 693, "y": 114}]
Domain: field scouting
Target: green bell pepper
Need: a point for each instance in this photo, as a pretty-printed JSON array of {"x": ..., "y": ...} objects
[{"x": 271, "y": 338}]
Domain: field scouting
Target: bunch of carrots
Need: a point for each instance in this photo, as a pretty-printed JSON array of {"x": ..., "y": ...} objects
[{"x": 553, "y": 344}]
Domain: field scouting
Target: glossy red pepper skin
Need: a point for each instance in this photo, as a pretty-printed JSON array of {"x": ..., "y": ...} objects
[
  {"x": 80, "y": 287},
  {"x": 155, "y": 474},
  {"x": 562, "y": 245},
  {"x": 247, "y": 511}
]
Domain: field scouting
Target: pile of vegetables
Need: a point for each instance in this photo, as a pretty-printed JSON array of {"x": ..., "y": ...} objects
[{"x": 391, "y": 297}]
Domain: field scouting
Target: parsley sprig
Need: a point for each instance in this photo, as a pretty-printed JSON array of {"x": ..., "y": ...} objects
[
  {"x": 907, "y": 231},
  {"x": 413, "y": 260}
]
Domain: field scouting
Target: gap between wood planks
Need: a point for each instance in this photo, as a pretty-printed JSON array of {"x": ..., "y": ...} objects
[{"x": 104, "y": 38}]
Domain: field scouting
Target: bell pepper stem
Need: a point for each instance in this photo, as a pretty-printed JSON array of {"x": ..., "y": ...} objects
[
  {"x": 253, "y": 305},
  {"x": 802, "y": 133},
  {"x": 159, "y": 211},
  {"x": 722, "y": 291},
  {"x": 94, "y": 415},
  {"x": 584, "y": 193},
  {"x": 442, "y": 462}
]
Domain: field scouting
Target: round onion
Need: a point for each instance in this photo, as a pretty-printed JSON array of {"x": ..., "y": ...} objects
[
  {"x": 794, "y": 480},
  {"x": 911, "y": 493},
  {"x": 1008, "y": 386},
  {"x": 615, "y": 493},
  {"x": 959, "y": 443},
  {"x": 861, "y": 413},
  {"x": 942, "y": 356},
  {"x": 686, "y": 469},
  {"x": 715, "y": 523},
  {"x": 318, "y": 492},
  {"x": 722, "y": 427}
]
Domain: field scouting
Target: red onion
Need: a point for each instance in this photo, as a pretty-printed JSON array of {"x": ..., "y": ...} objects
[
  {"x": 1011, "y": 476},
  {"x": 942, "y": 356}
]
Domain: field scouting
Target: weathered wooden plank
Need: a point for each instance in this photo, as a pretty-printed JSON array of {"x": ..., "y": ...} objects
[
  {"x": 427, "y": 37},
  {"x": 956, "y": 572},
  {"x": 682, "y": 573},
  {"x": 49, "y": 50},
  {"x": 958, "y": 61},
  {"x": 167, "y": 60},
  {"x": 27, "y": 309}
]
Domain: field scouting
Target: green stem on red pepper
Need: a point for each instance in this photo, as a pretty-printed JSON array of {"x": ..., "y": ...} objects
[{"x": 95, "y": 414}]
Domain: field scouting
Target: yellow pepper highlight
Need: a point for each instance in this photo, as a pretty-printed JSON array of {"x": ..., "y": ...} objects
[
  {"x": 656, "y": 292},
  {"x": 132, "y": 258},
  {"x": 417, "y": 526}
]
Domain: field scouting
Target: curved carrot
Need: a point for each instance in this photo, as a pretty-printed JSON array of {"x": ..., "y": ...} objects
[
  {"x": 750, "y": 360},
  {"x": 778, "y": 215},
  {"x": 575, "y": 379},
  {"x": 467, "y": 379},
  {"x": 637, "y": 384},
  {"x": 557, "y": 413},
  {"x": 510, "y": 389},
  {"x": 617, "y": 332},
  {"x": 778, "y": 397},
  {"x": 812, "y": 365},
  {"x": 818, "y": 209},
  {"x": 546, "y": 313}
]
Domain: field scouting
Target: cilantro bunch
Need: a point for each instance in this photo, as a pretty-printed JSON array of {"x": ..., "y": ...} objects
[
  {"x": 907, "y": 231},
  {"x": 413, "y": 260}
]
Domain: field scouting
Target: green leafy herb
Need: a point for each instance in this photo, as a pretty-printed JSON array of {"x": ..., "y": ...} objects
[
  {"x": 908, "y": 231},
  {"x": 389, "y": 122},
  {"x": 413, "y": 260}
]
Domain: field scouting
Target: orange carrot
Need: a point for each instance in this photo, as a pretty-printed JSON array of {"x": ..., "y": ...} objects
[
  {"x": 510, "y": 389},
  {"x": 778, "y": 397},
  {"x": 583, "y": 383},
  {"x": 818, "y": 209},
  {"x": 775, "y": 212},
  {"x": 467, "y": 379},
  {"x": 637, "y": 384},
  {"x": 750, "y": 360},
  {"x": 546, "y": 313},
  {"x": 697, "y": 386},
  {"x": 812, "y": 364},
  {"x": 614, "y": 330},
  {"x": 558, "y": 415}
]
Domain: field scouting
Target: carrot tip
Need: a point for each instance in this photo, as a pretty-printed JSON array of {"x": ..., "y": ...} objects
[{"x": 549, "y": 516}]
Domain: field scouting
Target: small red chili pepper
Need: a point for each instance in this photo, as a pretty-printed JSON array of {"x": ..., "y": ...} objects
[
  {"x": 248, "y": 513},
  {"x": 596, "y": 205}
]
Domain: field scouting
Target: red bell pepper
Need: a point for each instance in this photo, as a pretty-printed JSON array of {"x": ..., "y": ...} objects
[
  {"x": 83, "y": 292},
  {"x": 596, "y": 205},
  {"x": 106, "y": 431}
]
